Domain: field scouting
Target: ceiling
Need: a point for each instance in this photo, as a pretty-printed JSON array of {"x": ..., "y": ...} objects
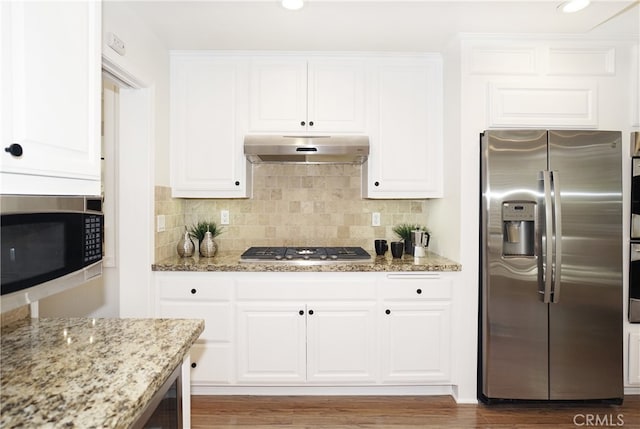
[{"x": 418, "y": 25}]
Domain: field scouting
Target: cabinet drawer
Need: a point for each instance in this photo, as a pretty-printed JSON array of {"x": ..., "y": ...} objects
[
  {"x": 415, "y": 286},
  {"x": 305, "y": 290},
  {"x": 196, "y": 289}
]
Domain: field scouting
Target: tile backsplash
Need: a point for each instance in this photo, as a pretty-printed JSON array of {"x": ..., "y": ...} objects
[{"x": 291, "y": 205}]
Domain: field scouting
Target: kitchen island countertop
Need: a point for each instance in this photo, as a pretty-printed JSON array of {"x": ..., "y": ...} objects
[
  {"x": 230, "y": 262},
  {"x": 79, "y": 372}
]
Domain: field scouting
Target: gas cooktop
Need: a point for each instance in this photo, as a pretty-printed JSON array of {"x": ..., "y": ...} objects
[{"x": 305, "y": 254}]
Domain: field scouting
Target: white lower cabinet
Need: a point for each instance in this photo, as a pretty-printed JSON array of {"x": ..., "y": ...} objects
[
  {"x": 271, "y": 343},
  {"x": 329, "y": 329},
  {"x": 341, "y": 343},
  {"x": 313, "y": 342},
  {"x": 200, "y": 296},
  {"x": 634, "y": 359},
  {"x": 415, "y": 342},
  {"x": 415, "y": 337}
]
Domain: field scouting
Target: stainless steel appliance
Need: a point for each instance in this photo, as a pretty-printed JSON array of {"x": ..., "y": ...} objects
[
  {"x": 420, "y": 241},
  {"x": 634, "y": 246},
  {"x": 48, "y": 244},
  {"x": 551, "y": 266},
  {"x": 348, "y": 149},
  {"x": 306, "y": 255}
]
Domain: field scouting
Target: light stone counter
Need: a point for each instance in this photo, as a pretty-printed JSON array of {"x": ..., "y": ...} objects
[
  {"x": 230, "y": 262},
  {"x": 87, "y": 373}
]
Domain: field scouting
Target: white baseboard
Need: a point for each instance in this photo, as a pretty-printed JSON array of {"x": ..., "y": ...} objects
[{"x": 324, "y": 390}]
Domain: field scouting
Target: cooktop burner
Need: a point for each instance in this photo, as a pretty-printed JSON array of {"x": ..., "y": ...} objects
[{"x": 305, "y": 254}]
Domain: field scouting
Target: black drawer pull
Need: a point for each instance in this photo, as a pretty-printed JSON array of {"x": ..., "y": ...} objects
[
  {"x": 193, "y": 291},
  {"x": 193, "y": 364},
  {"x": 387, "y": 312},
  {"x": 14, "y": 149},
  {"x": 419, "y": 291}
]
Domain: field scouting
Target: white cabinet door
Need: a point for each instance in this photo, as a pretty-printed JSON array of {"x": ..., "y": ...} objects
[
  {"x": 293, "y": 95},
  {"x": 634, "y": 359},
  {"x": 271, "y": 343},
  {"x": 405, "y": 134},
  {"x": 211, "y": 364},
  {"x": 336, "y": 96},
  {"x": 51, "y": 96},
  {"x": 278, "y": 95},
  {"x": 208, "y": 124},
  {"x": 415, "y": 343},
  {"x": 341, "y": 343}
]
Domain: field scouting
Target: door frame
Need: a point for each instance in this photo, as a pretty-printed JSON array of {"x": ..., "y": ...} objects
[{"x": 135, "y": 190}]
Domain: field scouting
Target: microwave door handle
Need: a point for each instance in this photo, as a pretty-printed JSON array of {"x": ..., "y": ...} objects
[
  {"x": 557, "y": 237},
  {"x": 548, "y": 233}
]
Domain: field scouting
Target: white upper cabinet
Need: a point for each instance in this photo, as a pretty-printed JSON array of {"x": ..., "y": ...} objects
[
  {"x": 315, "y": 95},
  {"x": 405, "y": 117},
  {"x": 50, "y": 90},
  {"x": 208, "y": 124}
]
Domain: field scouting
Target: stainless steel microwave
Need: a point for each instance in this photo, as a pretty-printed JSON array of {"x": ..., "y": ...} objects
[{"x": 48, "y": 244}]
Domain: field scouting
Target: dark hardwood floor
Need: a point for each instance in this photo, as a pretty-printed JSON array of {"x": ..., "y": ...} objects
[{"x": 401, "y": 412}]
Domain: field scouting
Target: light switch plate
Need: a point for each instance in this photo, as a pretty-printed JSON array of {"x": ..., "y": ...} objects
[
  {"x": 224, "y": 217},
  {"x": 160, "y": 223},
  {"x": 375, "y": 219}
]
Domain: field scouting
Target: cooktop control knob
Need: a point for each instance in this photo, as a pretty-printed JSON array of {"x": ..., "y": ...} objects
[
  {"x": 289, "y": 256},
  {"x": 278, "y": 257},
  {"x": 334, "y": 256},
  {"x": 323, "y": 257}
]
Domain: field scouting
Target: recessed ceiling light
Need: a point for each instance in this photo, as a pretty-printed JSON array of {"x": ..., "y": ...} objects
[
  {"x": 573, "y": 5},
  {"x": 292, "y": 4}
]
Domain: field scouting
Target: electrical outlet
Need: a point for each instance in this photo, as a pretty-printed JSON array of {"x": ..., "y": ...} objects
[
  {"x": 375, "y": 219},
  {"x": 115, "y": 43},
  {"x": 224, "y": 217},
  {"x": 160, "y": 223}
]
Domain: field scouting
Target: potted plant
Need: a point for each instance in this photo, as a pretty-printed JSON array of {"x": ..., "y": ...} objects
[
  {"x": 205, "y": 232},
  {"x": 403, "y": 231}
]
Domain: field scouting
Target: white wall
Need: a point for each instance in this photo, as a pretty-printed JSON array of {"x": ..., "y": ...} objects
[{"x": 146, "y": 58}]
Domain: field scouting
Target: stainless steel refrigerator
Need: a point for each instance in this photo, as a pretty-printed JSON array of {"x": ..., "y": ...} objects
[{"x": 551, "y": 305}]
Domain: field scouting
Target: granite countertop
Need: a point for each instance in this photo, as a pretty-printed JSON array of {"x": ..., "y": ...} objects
[
  {"x": 83, "y": 373},
  {"x": 231, "y": 262}
]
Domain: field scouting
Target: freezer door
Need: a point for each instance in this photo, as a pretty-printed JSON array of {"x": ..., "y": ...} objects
[
  {"x": 514, "y": 341},
  {"x": 585, "y": 325}
]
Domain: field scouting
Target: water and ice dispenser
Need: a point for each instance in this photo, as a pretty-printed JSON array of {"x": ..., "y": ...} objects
[{"x": 518, "y": 226}]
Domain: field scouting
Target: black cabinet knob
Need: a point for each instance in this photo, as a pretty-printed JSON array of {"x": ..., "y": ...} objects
[
  {"x": 311, "y": 312},
  {"x": 376, "y": 184},
  {"x": 419, "y": 291},
  {"x": 301, "y": 313},
  {"x": 193, "y": 291},
  {"x": 237, "y": 183},
  {"x": 193, "y": 364},
  {"x": 311, "y": 123},
  {"x": 303, "y": 123},
  {"x": 14, "y": 149},
  {"x": 387, "y": 312}
]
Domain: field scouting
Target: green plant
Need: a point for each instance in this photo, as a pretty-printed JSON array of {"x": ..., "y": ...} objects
[
  {"x": 403, "y": 230},
  {"x": 198, "y": 230}
]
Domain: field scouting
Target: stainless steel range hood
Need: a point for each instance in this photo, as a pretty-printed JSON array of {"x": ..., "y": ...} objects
[{"x": 306, "y": 149}]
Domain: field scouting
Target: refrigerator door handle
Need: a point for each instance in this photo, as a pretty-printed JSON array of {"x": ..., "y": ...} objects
[
  {"x": 557, "y": 237},
  {"x": 547, "y": 276}
]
